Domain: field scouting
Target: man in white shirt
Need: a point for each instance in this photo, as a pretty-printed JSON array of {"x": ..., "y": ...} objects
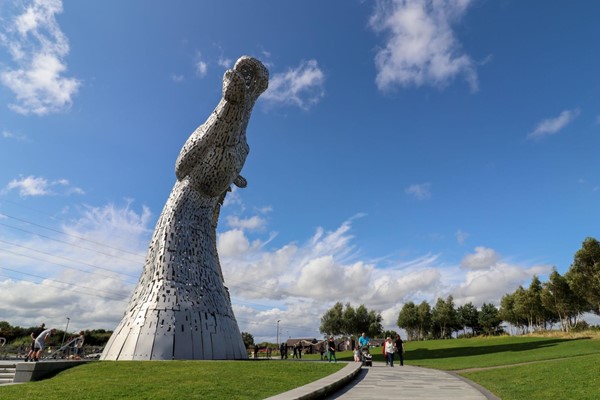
[{"x": 40, "y": 343}]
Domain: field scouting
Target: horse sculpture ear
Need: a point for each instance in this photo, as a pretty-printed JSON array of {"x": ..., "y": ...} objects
[{"x": 240, "y": 182}]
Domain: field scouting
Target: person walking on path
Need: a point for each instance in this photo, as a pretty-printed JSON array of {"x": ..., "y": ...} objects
[
  {"x": 331, "y": 350},
  {"x": 363, "y": 340},
  {"x": 389, "y": 351},
  {"x": 34, "y": 335},
  {"x": 399, "y": 348}
]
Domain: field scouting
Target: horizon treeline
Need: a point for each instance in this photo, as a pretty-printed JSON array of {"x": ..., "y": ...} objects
[{"x": 560, "y": 300}]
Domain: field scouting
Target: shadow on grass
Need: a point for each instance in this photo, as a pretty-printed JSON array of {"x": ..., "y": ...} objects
[{"x": 465, "y": 351}]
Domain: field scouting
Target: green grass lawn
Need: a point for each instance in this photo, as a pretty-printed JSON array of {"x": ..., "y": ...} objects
[
  {"x": 550, "y": 368},
  {"x": 515, "y": 368},
  {"x": 572, "y": 378},
  {"x": 173, "y": 380},
  {"x": 459, "y": 354}
]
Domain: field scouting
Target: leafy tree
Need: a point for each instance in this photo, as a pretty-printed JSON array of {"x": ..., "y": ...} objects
[
  {"x": 444, "y": 317},
  {"x": 390, "y": 333},
  {"x": 350, "y": 321},
  {"x": 507, "y": 311},
  {"x": 97, "y": 337},
  {"x": 559, "y": 299},
  {"x": 488, "y": 319},
  {"x": 332, "y": 322},
  {"x": 584, "y": 273},
  {"x": 408, "y": 319},
  {"x": 425, "y": 319},
  {"x": 468, "y": 317},
  {"x": 248, "y": 339},
  {"x": 375, "y": 323}
]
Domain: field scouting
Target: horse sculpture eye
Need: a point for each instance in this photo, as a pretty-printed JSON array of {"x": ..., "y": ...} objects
[{"x": 248, "y": 74}]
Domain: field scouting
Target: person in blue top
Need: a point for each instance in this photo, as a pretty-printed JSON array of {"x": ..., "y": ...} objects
[{"x": 363, "y": 340}]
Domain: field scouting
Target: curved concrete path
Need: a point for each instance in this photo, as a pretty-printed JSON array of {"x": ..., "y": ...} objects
[{"x": 382, "y": 382}]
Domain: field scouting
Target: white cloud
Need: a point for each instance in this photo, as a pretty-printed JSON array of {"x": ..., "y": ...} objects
[
  {"x": 10, "y": 135},
  {"x": 421, "y": 191},
  {"x": 483, "y": 258},
  {"x": 87, "y": 272},
  {"x": 225, "y": 62},
  {"x": 551, "y": 126},
  {"x": 490, "y": 284},
  {"x": 201, "y": 69},
  {"x": 38, "y": 48},
  {"x": 177, "y": 78},
  {"x": 253, "y": 223},
  {"x": 301, "y": 86},
  {"x": 294, "y": 282},
  {"x": 421, "y": 48},
  {"x": 38, "y": 186}
]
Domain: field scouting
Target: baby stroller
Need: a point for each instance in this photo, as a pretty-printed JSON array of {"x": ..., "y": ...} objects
[{"x": 367, "y": 358}]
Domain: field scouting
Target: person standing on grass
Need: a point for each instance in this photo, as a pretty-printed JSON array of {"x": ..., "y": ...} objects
[
  {"x": 322, "y": 350},
  {"x": 389, "y": 351},
  {"x": 399, "y": 348},
  {"x": 331, "y": 350}
]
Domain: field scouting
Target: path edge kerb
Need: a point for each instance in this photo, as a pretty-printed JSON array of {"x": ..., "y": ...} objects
[
  {"x": 488, "y": 395},
  {"x": 320, "y": 388}
]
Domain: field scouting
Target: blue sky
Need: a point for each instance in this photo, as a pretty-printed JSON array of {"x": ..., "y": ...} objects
[{"x": 405, "y": 150}]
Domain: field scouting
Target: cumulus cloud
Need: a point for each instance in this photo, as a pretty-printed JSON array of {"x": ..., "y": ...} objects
[
  {"x": 85, "y": 267},
  {"x": 32, "y": 186},
  {"x": 489, "y": 277},
  {"x": 421, "y": 47},
  {"x": 421, "y": 191},
  {"x": 551, "y": 126},
  {"x": 301, "y": 86},
  {"x": 38, "y": 48},
  {"x": 481, "y": 259},
  {"x": 89, "y": 269}
]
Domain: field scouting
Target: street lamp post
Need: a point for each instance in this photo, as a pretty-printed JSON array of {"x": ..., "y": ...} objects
[{"x": 65, "y": 334}]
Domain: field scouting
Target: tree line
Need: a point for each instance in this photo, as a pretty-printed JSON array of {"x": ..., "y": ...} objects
[
  {"x": 349, "y": 321},
  {"x": 561, "y": 300},
  {"x": 17, "y": 336}
]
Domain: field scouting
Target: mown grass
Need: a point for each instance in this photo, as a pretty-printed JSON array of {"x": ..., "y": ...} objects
[
  {"x": 173, "y": 380},
  {"x": 573, "y": 378},
  {"x": 522, "y": 367},
  {"x": 459, "y": 354}
]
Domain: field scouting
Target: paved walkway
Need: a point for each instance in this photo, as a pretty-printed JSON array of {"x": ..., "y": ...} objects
[
  {"x": 408, "y": 382},
  {"x": 382, "y": 383}
]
